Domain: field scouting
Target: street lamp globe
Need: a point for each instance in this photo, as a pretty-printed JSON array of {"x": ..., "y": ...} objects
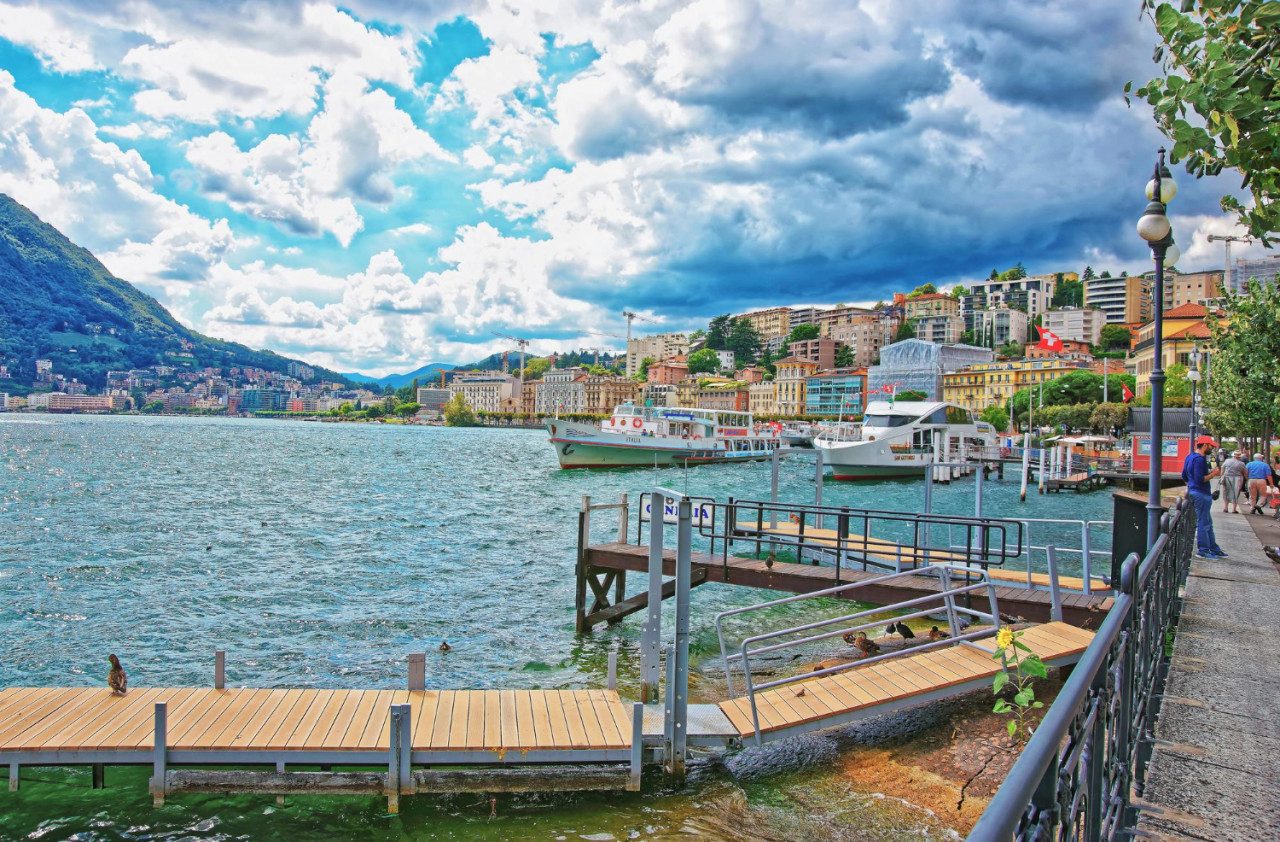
[
  {"x": 1153, "y": 225},
  {"x": 1172, "y": 253},
  {"x": 1168, "y": 187}
]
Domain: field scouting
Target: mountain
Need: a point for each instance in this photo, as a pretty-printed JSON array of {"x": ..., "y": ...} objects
[
  {"x": 425, "y": 375},
  {"x": 58, "y": 302}
]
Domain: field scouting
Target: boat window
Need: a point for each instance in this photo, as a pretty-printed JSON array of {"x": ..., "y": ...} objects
[
  {"x": 959, "y": 415},
  {"x": 887, "y": 420},
  {"x": 939, "y": 416}
]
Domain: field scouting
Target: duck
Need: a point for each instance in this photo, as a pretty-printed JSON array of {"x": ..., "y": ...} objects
[
  {"x": 770, "y": 559},
  {"x": 800, "y": 692},
  {"x": 444, "y": 646},
  {"x": 900, "y": 629},
  {"x": 866, "y": 644},
  {"x": 936, "y": 634},
  {"x": 116, "y": 679},
  {"x": 1273, "y": 553},
  {"x": 794, "y": 518}
]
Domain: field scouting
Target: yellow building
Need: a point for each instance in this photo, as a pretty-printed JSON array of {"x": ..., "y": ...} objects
[
  {"x": 762, "y": 398},
  {"x": 790, "y": 382},
  {"x": 982, "y": 385},
  {"x": 770, "y": 323},
  {"x": 1185, "y": 327}
]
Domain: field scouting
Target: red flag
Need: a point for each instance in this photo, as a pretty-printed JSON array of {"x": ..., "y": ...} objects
[
  {"x": 1049, "y": 341},
  {"x": 1125, "y": 394}
]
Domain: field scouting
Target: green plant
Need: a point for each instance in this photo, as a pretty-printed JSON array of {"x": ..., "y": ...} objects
[{"x": 1026, "y": 667}]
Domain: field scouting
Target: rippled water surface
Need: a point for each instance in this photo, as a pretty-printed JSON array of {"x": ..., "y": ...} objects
[{"x": 319, "y": 555}]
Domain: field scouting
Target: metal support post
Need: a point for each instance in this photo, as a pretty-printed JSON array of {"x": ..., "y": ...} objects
[
  {"x": 220, "y": 669},
  {"x": 1026, "y": 464},
  {"x": 611, "y": 680},
  {"x": 1055, "y": 594},
  {"x": 159, "y": 755},
  {"x": 977, "y": 491},
  {"x": 406, "y": 750},
  {"x": 14, "y": 777},
  {"x": 776, "y": 459},
  {"x": 651, "y": 635},
  {"x": 393, "y": 761},
  {"x": 680, "y": 692},
  {"x": 817, "y": 484},
  {"x": 99, "y": 775},
  {"x": 637, "y": 746},
  {"x": 580, "y": 571},
  {"x": 417, "y": 671},
  {"x": 1041, "y": 481}
]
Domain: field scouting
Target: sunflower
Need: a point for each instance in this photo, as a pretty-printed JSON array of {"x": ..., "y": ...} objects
[{"x": 1004, "y": 637}]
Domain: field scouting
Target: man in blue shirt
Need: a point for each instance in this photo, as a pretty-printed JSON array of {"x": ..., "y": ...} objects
[
  {"x": 1196, "y": 473},
  {"x": 1259, "y": 475}
]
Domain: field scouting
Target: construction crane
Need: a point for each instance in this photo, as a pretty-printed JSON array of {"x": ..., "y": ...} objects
[
  {"x": 1229, "y": 239},
  {"x": 630, "y": 317},
  {"x": 523, "y": 343}
]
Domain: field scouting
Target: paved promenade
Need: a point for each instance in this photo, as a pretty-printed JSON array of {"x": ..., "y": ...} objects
[{"x": 1215, "y": 774}]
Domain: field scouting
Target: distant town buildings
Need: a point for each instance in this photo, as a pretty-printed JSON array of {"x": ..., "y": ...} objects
[
  {"x": 1079, "y": 324},
  {"x": 1184, "y": 328},
  {"x": 999, "y": 326},
  {"x": 1261, "y": 269},
  {"x": 917, "y": 365},
  {"x": 486, "y": 392},
  {"x": 1125, "y": 300},
  {"x": 657, "y": 347}
]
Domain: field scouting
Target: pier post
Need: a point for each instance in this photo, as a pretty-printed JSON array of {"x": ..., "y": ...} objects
[
  {"x": 406, "y": 750},
  {"x": 611, "y": 679},
  {"x": 159, "y": 755},
  {"x": 220, "y": 669},
  {"x": 679, "y": 694},
  {"x": 1026, "y": 464},
  {"x": 652, "y": 633},
  {"x": 637, "y": 746},
  {"x": 1041, "y": 481},
  {"x": 99, "y": 774},
  {"x": 417, "y": 671},
  {"x": 580, "y": 568},
  {"x": 14, "y": 777},
  {"x": 977, "y": 491},
  {"x": 1055, "y": 595}
]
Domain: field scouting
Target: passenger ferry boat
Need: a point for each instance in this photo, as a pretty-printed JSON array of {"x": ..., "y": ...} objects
[
  {"x": 897, "y": 439},
  {"x": 657, "y": 436}
]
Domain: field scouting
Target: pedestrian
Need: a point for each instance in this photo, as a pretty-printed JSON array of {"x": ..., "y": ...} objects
[
  {"x": 1259, "y": 476},
  {"x": 1234, "y": 473},
  {"x": 1197, "y": 473}
]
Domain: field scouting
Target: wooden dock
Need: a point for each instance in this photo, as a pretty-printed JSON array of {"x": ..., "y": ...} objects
[
  {"x": 1082, "y": 481},
  {"x": 611, "y": 559},
  {"x": 892, "y": 683}
]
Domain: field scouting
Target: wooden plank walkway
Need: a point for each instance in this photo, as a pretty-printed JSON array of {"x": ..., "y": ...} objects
[
  {"x": 886, "y": 552},
  {"x": 895, "y": 680},
  {"x": 1078, "y": 609},
  {"x": 79, "y": 719},
  {"x": 1070, "y": 583}
]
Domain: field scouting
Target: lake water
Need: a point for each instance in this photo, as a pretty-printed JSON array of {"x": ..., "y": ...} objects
[{"x": 320, "y": 555}]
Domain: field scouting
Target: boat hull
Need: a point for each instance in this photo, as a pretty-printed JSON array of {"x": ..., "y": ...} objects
[{"x": 580, "y": 446}]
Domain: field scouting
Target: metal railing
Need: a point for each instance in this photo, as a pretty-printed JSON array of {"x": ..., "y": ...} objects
[
  {"x": 943, "y": 601},
  {"x": 1074, "y": 778},
  {"x": 867, "y": 538}
]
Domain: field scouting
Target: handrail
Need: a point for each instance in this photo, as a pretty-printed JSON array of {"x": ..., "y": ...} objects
[
  {"x": 944, "y": 599},
  {"x": 1094, "y": 743}
]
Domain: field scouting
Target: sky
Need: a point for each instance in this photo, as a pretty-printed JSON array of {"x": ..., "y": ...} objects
[{"x": 381, "y": 184}]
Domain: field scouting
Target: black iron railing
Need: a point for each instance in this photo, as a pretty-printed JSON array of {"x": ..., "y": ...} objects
[
  {"x": 865, "y": 539},
  {"x": 1074, "y": 777}
]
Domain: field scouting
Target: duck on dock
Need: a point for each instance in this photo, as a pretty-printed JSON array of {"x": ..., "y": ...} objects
[
  {"x": 899, "y": 629},
  {"x": 116, "y": 679},
  {"x": 937, "y": 634},
  {"x": 866, "y": 644}
]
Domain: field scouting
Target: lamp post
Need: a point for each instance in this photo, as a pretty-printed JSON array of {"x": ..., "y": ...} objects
[
  {"x": 1193, "y": 374},
  {"x": 1153, "y": 227}
]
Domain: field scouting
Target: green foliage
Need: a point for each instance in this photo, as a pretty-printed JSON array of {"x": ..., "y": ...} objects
[
  {"x": 1177, "y": 388},
  {"x": 923, "y": 289},
  {"x": 997, "y": 416},
  {"x": 766, "y": 362},
  {"x": 968, "y": 338},
  {"x": 958, "y": 291},
  {"x": 718, "y": 332},
  {"x": 911, "y": 395},
  {"x": 1011, "y": 349},
  {"x": 51, "y": 291},
  {"x": 1068, "y": 294},
  {"x": 1220, "y": 64},
  {"x": 374, "y": 411},
  {"x": 1088, "y": 274},
  {"x": 536, "y": 367},
  {"x": 1244, "y": 380},
  {"x": 1108, "y": 417},
  {"x": 1013, "y": 654},
  {"x": 844, "y": 356},
  {"x": 1016, "y": 273},
  {"x": 1077, "y": 387},
  {"x": 744, "y": 341},
  {"x": 643, "y": 373},
  {"x": 800, "y": 333},
  {"x": 703, "y": 362},
  {"x": 153, "y": 406},
  {"x": 404, "y": 410},
  {"x": 458, "y": 413},
  {"x": 905, "y": 331},
  {"x": 1115, "y": 337}
]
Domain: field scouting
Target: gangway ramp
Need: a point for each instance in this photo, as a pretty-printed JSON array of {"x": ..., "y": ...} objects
[{"x": 876, "y": 688}]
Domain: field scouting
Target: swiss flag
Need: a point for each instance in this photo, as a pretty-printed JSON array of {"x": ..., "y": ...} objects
[
  {"x": 1049, "y": 340},
  {"x": 1125, "y": 394}
]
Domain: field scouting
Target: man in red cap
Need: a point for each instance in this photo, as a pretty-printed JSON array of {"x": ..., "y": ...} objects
[{"x": 1197, "y": 473}]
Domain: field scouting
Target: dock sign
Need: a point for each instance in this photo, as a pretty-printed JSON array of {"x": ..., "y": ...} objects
[{"x": 701, "y": 512}]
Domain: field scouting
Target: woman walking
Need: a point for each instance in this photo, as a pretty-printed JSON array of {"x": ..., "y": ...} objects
[{"x": 1234, "y": 473}]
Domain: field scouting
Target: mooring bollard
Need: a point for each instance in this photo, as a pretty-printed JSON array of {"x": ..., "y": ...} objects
[
  {"x": 220, "y": 669},
  {"x": 417, "y": 671}
]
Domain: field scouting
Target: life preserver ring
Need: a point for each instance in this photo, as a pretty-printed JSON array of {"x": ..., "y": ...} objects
[
  {"x": 637, "y": 423},
  {"x": 696, "y": 436},
  {"x": 1004, "y": 451},
  {"x": 613, "y": 421}
]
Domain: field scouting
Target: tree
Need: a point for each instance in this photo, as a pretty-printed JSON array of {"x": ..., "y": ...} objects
[
  {"x": 911, "y": 395},
  {"x": 744, "y": 341},
  {"x": 1014, "y": 274},
  {"x": 406, "y": 393},
  {"x": 905, "y": 331},
  {"x": 404, "y": 410},
  {"x": 1068, "y": 294},
  {"x": 345, "y": 409},
  {"x": 1088, "y": 274},
  {"x": 766, "y": 362},
  {"x": 800, "y": 333},
  {"x": 923, "y": 289},
  {"x": 1108, "y": 417},
  {"x": 1243, "y": 388},
  {"x": 957, "y": 291},
  {"x": 718, "y": 332},
  {"x": 705, "y": 361},
  {"x": 458, "y": 413},
  {"x": 643, "y": 373},
  {"x": 1115, "y": 336},
  {"x": 997, "y": 416},
  {"x": 1219, "y": 61},
  {"x": 374, "y": 411},
  {"x": 1011, "y": 349},
  {"x": 535, "y": 368},
  {"x": 844, "y": 356}
]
